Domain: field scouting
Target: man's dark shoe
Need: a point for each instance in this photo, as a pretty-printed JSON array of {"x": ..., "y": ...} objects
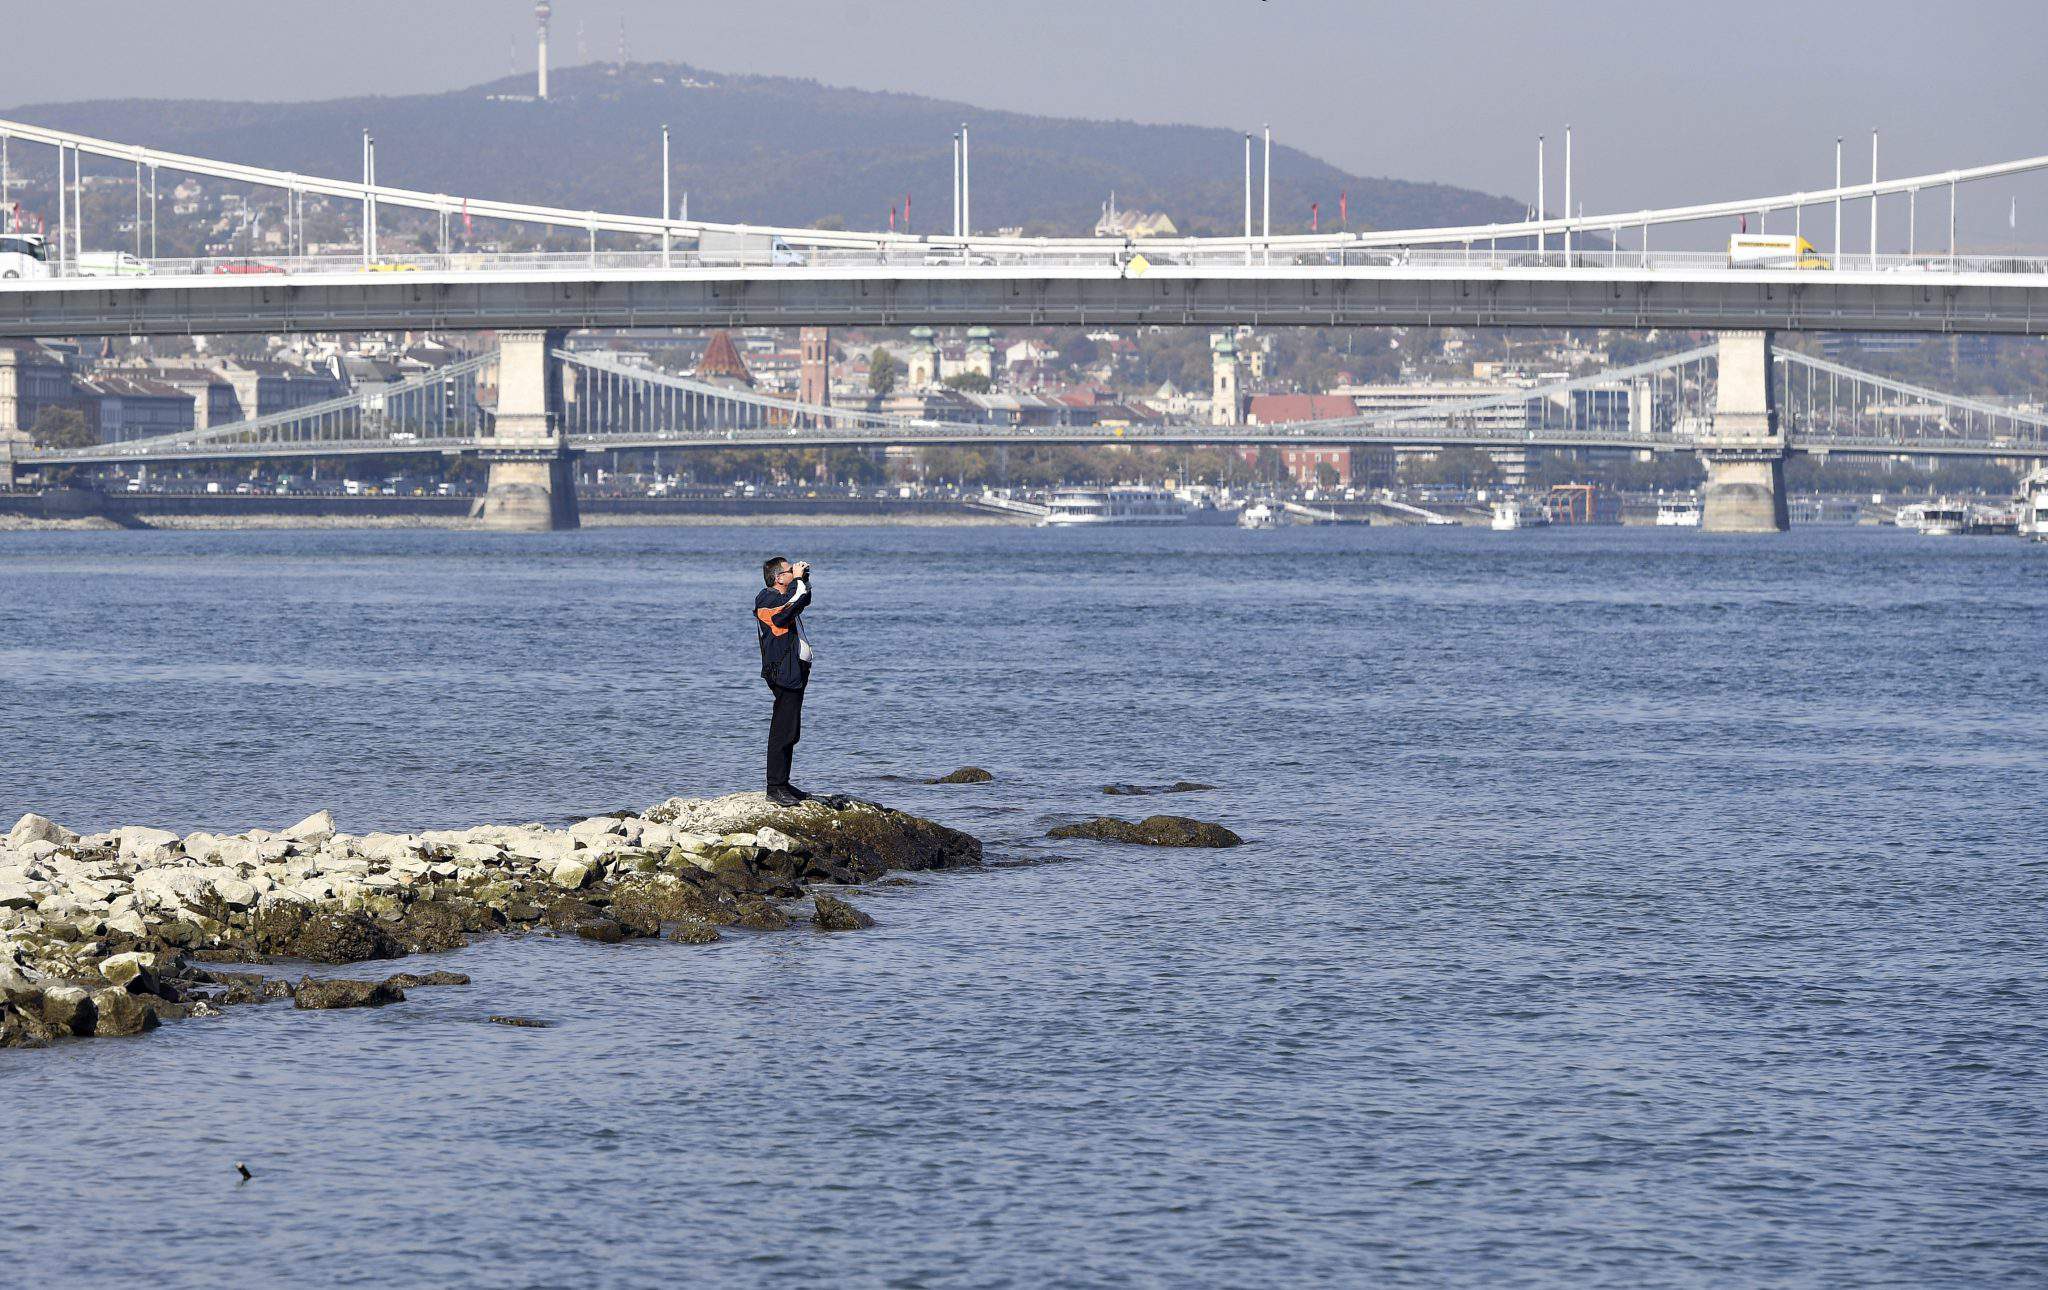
[
  {"x": 802, "y": 796},
  {"x": 783, "y": 795}
]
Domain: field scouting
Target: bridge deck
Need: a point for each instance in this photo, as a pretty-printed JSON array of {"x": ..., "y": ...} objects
[{"x": 1910, "y": 298}]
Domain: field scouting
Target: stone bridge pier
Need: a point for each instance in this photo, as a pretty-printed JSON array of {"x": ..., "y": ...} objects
[
  {"x": 532, "y": 485},
  {"x": 1745, "y": 453}
]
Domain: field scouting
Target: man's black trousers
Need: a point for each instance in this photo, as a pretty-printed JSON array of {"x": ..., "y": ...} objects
[{"x": 785, "y": 729}]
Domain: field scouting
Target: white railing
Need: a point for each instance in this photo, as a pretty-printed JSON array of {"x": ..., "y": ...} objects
[{"x": 1105, "y": 259}]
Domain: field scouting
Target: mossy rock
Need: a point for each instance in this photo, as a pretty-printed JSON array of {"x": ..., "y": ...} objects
[{"x": 1152, "y": 831}]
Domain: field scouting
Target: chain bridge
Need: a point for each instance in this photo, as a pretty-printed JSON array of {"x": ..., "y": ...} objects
[{"x": 590, "y": 400}]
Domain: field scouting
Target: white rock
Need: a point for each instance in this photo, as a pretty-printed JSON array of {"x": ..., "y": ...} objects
[
  {"x": 540, "y": 846},
  {"x": 317, "y": 827},
  {"x": 774, "y": 840},
  {"x": 607, "y": 844},
  {"x": 389, "y": 847},
  {"x": 128, "y": 921},
  {"x": 170, "y": 888},
  {"x": 35, "y": 851},
  {"x": 36, "y": 828},
  {"x": 657, "y": 836},
  {"x": 479, "y": 853},
  {"x": 120, "y": 969},
  {"x": 236, "y": 893},
  {"x": 596, "y": 826},
  {"x": 151, "y": 846},
  {"x": 228, "y": 851},
  {"x": 572, "y": 873}
]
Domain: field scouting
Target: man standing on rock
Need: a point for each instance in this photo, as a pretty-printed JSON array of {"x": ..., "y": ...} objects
[{"x": 785, "y": 666}]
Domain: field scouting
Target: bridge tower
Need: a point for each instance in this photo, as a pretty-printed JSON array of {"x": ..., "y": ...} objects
[
  {"x": 532, "y": 486},
  {"x": 1745, "y": 453}
]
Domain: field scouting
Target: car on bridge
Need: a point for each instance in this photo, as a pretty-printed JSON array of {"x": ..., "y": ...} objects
[{"x": 246, "y": 266}]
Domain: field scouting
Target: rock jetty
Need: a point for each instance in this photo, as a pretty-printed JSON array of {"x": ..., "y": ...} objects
[{"x": 110, "y": 933}]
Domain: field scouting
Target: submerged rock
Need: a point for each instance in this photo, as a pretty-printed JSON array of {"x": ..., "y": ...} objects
[
  {"x": 693, "y": 931},
  {"x": 525, "y": 1023},
  {"x": 321, "y": 992},
  {"x": 1146, "y": 790},
  {"x": 835, "y": 915},
  {"x": 965, "y": 775},
  {"x": 1152, "y": 831},
  {"x": 408, "y": 980}
]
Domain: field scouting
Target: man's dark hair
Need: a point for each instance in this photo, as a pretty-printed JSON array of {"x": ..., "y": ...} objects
[{"x": 768, "y": 569}]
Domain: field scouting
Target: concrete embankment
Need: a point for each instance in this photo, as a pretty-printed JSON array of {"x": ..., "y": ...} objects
[
  {"x": 113, "y": 932},
  {"x": 84, "y": 508}
]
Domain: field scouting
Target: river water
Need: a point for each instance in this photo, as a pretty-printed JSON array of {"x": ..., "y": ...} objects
[{"x": 1620, "y": 908}]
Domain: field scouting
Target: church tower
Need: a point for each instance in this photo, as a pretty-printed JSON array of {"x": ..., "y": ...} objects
[{"x": 1226, "y": 407}]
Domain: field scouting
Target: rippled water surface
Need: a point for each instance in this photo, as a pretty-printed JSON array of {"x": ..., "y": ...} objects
[{"x": 1621, "y": 908}]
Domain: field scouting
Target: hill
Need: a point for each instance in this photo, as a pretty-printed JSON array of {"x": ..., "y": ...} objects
[{"x": 767, "y": 149}]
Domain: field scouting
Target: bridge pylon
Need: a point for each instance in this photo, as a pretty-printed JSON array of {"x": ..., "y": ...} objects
[
  {"x": 532, "y": 485},
  {"x": 1745, "y": 455},
  {"x": 6, "y": 461}
]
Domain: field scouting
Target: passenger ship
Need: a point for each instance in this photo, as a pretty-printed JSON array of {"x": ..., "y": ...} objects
[
  {"x": 1511, "y": 513},
  {"x": 1678, "y": 512},
  {"x": 1123, "y": 504},
  {"x": 2034, "y": 507}
]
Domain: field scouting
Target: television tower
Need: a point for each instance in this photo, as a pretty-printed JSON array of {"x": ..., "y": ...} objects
[{"x": 541, "y": 12}]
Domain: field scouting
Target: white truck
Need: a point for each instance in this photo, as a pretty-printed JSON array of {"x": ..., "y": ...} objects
[
  {"x": 746, "y": 250},
  {"x": 24, "y": 255},
  {"x": 1773, "y": 251},
  {"x": 109, "y": 264}
]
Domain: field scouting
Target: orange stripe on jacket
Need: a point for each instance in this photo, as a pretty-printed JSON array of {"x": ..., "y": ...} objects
[{"x": 768, "y": 616}]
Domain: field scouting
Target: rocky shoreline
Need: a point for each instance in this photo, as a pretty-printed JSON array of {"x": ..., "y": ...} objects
[{"x": 114, "y": 932}]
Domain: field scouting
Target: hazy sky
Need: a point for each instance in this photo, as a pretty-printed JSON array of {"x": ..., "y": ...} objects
[{"x": 1670, "y": 103}]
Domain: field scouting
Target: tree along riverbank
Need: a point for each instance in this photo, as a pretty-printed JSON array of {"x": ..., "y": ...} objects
[{"x": 114, "y": 932}]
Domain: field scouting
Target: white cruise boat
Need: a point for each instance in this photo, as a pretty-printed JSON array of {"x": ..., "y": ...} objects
[
  {"x": 1123, "y": 504},
  {"x": 2033, "y": 507},
  {"x": 1259, "y": 515},
  {"x": 1943, "y": 519},
  {"x": 1678, "y": 513},
  {"x": 1510, "y": 513}
]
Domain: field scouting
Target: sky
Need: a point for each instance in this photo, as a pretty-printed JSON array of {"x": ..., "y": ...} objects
[{"x": 1670, "y": 104}]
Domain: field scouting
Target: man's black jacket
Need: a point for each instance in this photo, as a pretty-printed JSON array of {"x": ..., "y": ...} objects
[{"x": 775, "y": 616}]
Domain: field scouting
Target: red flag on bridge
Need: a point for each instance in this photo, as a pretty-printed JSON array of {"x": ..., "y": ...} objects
[
  {"x": 906, "y": 212},
  {"x": 465, "y": 217},
  {"x": 1344, "y": 209},
  {"x": 892, "y": 217},
  {"x": 1315, "y": 216}
]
